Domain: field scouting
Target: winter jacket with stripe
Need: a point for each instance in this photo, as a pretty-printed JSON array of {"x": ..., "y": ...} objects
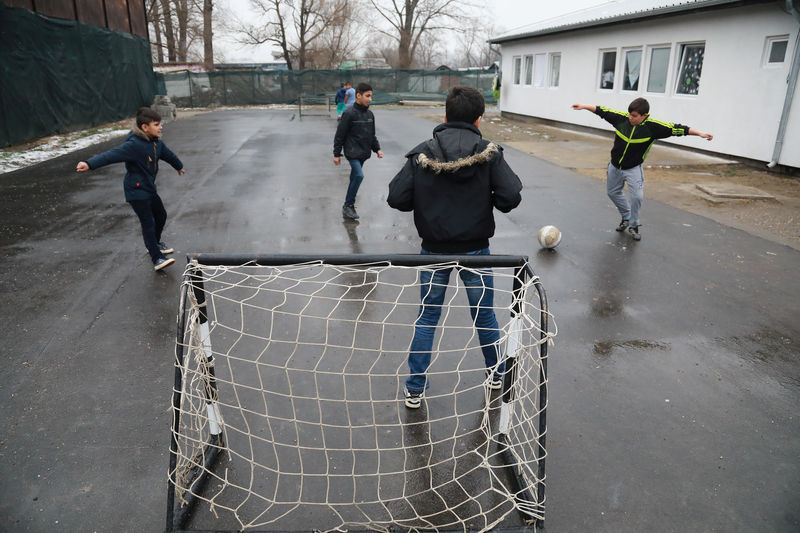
[
  {"x": 631, "y": 143},
  {"x": 140, "y": 154},
  {"x": 356, "y": 134},
  {"x": 452, "y": 182}
]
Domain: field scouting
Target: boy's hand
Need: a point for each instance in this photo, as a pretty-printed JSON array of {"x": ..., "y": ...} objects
[
  {"x": 83, "y": 166},
  {"x": 337, "y": 160},
  {"x": 380, "y": 154},
  {"x": 181, "y": 172},
  {"x": 577, "y": 106},
  {"x": 706, "y": 136}
]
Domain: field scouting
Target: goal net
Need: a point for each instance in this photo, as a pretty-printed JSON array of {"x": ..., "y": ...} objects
[
  {"x": 288, "y": 405},
  {"x": 314, "y": 105}
]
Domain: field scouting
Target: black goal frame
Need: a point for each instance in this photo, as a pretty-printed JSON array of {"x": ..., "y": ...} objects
[{"x": 176, "y": 518}]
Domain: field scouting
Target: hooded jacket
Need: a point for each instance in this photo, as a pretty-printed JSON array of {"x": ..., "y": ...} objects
[
  {"x": 356, "y": 134},
  {"x": 140, "y": 153},
  {"x": 452, "y": 182}
]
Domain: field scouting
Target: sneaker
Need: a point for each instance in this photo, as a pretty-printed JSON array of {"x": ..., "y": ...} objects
[
  {"x": 164, "y": 248},
  {"x": 623, "y": 225},
  {"x": 162, "y": 262},
  {"x": 495, "y": 382},
  {"x": 349, "y": 211},
  {"x": 634, "y": 231},
  {"x": 413, "y": 399}
]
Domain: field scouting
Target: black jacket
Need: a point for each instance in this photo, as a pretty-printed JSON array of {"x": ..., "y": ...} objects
[
  {"x": 452, "y": 182},
  {"x": 631, "y": 143},
  {"x": 356, "y": 133}
]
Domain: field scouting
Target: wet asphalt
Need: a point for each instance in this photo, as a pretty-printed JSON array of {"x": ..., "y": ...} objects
[{"x": 674, "y": 378}]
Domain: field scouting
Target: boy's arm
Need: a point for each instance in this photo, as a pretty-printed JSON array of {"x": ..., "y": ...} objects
[
  {"x": 170, "y": 157},
  {"x": 704, "y": 135},
  {"x": 115, "y": 155},
  {"x": 662, "y": 130},
  {"x": 341, "y": 134},
  {"x": 376, "y": 146},
  {"x": 612, "y": 116},
  {"x": 506, "y": 185},
  {"x": 587, "y": 107},
  {"x": 401, "y": 188}
]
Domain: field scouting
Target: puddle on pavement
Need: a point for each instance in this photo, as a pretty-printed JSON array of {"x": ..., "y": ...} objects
[{"x": 607, "y": 347}]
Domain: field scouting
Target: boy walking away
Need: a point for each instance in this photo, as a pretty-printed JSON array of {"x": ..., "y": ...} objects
[
  {"x": 140, "y": 152},
  {"x": 452, "y": 182},
  {"x": 356, "y": 134},
  {"x": 340, "y": 101},
  {"x": 635, "y": 134},
  {"x": 349, "y": 95}
]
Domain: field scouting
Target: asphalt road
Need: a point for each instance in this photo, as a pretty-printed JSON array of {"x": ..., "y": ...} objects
[{"x": 674, "y": 378}]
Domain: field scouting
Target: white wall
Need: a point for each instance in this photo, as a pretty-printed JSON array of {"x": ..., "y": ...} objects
[{"x": 739, "y": 100}]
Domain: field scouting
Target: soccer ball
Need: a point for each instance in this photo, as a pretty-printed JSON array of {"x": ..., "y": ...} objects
[{"x": 549, "y": 236}]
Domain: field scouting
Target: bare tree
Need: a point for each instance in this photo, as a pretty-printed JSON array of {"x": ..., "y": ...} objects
[
  {"x": 411, "y": 19},
  {"x": 340, "y": 38},
  {"x": 473, "y": 46},
  {"x": 293, "y": 25},
  {"x": 208, "y": 36}
]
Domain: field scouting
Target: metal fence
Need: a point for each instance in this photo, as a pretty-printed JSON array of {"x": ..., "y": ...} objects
[{"x": 259, "y": 87}]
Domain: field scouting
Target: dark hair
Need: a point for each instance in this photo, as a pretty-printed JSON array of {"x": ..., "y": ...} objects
[
  {"x": 464, "y": 104},
  {"x": 363, "y": 87},
  {"x": 640, "y": 105},
  {"x": 145, "y": 115}
]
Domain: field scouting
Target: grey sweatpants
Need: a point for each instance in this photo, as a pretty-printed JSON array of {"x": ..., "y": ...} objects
[{"x": 616, "y": 180}]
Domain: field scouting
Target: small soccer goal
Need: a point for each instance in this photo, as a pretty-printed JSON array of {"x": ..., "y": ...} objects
[
  {"x": 314, "y": 105},
  {"x": 288, "y": 405}
]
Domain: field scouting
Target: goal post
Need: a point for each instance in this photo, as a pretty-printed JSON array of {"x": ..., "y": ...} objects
[
  {"x": 314, "y": 105},
  {"x": 296, "y": 407}
]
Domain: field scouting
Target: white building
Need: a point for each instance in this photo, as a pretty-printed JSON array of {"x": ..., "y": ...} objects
[{"x": 723, "y": 66}]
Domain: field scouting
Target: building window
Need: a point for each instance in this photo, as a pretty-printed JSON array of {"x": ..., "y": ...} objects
[
  {"x": 690, "y": 68},
  {"x": 540, "y": 70},
  {"x": 633, "y": 69},
  {"x": 555, "y": 69},
  {"x": 659, "y": 67},
  {"x": 528, "y": 69},
  {"x": 608, "y": 66},
  {"x": 775, "y": 51},
  {"x": 517, "y": 68}
]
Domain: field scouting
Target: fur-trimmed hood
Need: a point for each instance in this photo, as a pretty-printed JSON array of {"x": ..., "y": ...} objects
[
  {"x": 456, "y": 149},
  {"x": 136, "y": 130}
]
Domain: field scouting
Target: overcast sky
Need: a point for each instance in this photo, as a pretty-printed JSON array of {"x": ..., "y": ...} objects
[{"x": 506, "y": 15}]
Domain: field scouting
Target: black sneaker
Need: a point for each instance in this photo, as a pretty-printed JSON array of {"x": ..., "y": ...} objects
[
  {"x": 634, "y": 231},
  {"x": 413, "y": 399},
  {"x": 494, "y": 382},
  {"x": 623, "y": 225},
  {"x": 162, "y": 262},
  {"x": 349, "y": 211},
  {"x": 164, "y": 248}
]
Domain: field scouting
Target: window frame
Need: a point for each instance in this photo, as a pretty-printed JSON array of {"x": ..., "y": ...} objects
[
  {"x": 681, "y": 47},
  {"x": 543, "y": 79},
  {"x": 516, "y": 70},
  {"x": 769, "y": 41},
  {"x": 625, "y": 52},
  {"x": 550, "y": 58},
  {"x": 648, "y": 65},
  {"x": 599, "y": 77}
]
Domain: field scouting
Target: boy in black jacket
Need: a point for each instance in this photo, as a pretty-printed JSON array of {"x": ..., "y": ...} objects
[
  {"x": 140, "y": 152},
  {"x": 635, "y": 134},
  {"x": 356, "y": 133},
  {"x": 452, "y": 182}
]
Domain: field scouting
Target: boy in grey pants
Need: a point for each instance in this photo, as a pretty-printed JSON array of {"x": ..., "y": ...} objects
[{"x": 635, "y": 134}]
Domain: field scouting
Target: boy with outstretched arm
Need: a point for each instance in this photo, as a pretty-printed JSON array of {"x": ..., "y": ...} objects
[
  {"x": 635, "y": 134},
  {"x": 141, "y": 152},
  {"x": 452, "y": 183},
  {"x": 356, "y": 135}
]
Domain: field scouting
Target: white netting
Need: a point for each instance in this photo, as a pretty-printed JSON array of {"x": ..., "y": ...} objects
[
  {"x": 314, "y": 105},
  {"x": 310, "y": 364}
]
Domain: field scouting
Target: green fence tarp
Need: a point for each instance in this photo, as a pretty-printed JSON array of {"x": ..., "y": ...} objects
[
  {"x": 260, "y": 87},
  {"x": 58, "y": 75}
]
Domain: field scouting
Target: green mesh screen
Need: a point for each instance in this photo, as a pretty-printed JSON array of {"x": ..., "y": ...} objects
[
  {"x": 254, "y": 87},
  {"x": 59, "y": 75}
]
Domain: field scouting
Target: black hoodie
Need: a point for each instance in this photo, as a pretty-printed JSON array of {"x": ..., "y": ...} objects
[{"x": 452, "y": 182}]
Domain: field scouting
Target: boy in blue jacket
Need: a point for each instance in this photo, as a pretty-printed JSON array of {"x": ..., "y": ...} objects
[{"x": 140, "y": 152}]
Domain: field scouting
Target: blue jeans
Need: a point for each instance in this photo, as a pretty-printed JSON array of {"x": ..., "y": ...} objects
[
  {"x": 152, "y": 217},
  {"x": 480, "y": 293},
  {"x": 356, "y": 177}
]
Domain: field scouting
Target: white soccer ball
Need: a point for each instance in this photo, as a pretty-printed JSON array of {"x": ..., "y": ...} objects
[{"x": 549, "y": 236}]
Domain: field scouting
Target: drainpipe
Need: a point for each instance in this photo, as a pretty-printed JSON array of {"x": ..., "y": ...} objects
[{"x": 787, "y": 102}]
